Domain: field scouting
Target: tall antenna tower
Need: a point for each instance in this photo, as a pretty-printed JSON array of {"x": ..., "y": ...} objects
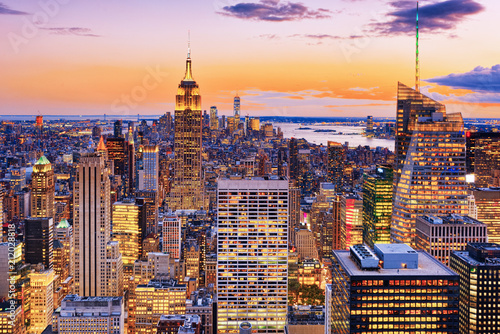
[{"x": 417, "y": 64}]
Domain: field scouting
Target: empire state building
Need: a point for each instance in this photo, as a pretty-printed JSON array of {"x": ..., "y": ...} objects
[{"x": 187, "y": 192}]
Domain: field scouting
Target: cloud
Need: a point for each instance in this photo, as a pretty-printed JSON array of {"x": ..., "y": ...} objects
[
  {"x": 434, "y": 17},
  {"x": 274, "y": 11},
  {"x": 480, "y": 79},
  {"x": 5, "y": 10},
  {"x": 361, "y": 89},
  {"x": 76, "y": 31}
]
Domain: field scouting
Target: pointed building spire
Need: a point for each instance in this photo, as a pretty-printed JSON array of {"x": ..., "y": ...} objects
[
  {"x": 189, "y": 75},
  {"x": 101, "y": 146},
  {"x": 417, "y": 64}
]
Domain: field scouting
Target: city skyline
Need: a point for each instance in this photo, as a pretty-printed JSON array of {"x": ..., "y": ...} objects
[{"x": 336, "y": 58}]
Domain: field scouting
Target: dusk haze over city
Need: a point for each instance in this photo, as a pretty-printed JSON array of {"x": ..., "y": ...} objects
[
  {"x": 249, "y": 167},
  {"x": 324, "y": 58}
]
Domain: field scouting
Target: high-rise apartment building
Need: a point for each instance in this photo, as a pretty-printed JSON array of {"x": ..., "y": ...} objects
[
  {"x": 41, "y": 300},
  {"x": 440, "y": 236},
  {"x": 187, "y": 192},
  {"x": 252, "y": 254},
  {"x": 42, "y": 189},
  {"x": 487, "y": 206},
  {"x": 351, "y": 220},
  {"x": 377, "y": 206},
  {"x": 336, "y": 161},
  {"x": 171, "y": 228},
  {"x": 483, "y": 155},
  {"x": 433, "y": 175},
  {"x": 410, "y": 292},
  {"x": 39, "y": 241},
  {"x": 479, "y": 270},
  {"x": 91, "y": 225}
]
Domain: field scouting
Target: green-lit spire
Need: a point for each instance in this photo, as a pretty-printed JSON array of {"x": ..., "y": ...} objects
[
  {"x": 42, "y": 161},
  {"x": 63, "y": 224}
]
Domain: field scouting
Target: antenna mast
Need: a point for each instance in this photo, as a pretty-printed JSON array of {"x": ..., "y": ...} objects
[{"x": 417, "y": 64}]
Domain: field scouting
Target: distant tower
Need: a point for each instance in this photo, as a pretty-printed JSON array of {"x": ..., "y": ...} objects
[
  {"x": 42, "y": 189},
  {"x": 214, "y": 119},
  {"x": 118, "y": 129},
  {"x": 187, "y": 192},
  {"x": 417, "y": 67},
  {"x": 237, "y": 109}
]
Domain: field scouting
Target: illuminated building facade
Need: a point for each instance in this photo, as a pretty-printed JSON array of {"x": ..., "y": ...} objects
[
  {"x": 236, "y": 110},
  {"x": 252, "y": 254},
  {"x": 11, "y": 319},
  {"x": 127, "y": 230},
  {"x": 309, "y": 272},
  {"x": 479, "y": 270},
  {"x": 488, "y": 211},
  {"x": 377, "y": 206},
  {"x": 440, "y": 236},
  {"x": 336, "y": 160},
  {"x": 369, "y": 126},
  {"x": 255, "y": 123},
  {"x": 79, "y": 315},
  {"x": 151, "y": 168},
  {"x": 172, "y": 236},
  {"x": 117, "y": 153},
  {"x": 433, "y": 176},
  {"x": 192, "y": 259},
  {"x": 42, "y": 189},
  {"x": 41, "y": 300},
  {"x": 411, "y": 106},
  {"x": 64, "y": 233},
  {"x": 187, "y": 192},
  {"x": 91, "y": 225},
  {"x": 351, "y": 220},
  {"x": 156, "y": 298},
  {"x": 113, "y": 279},
  {"x": 411, "y": 292},
  {"x": 214, "y": 118},
  {"x": 39, "y": 241},
  {"x": 483, "y": 154}
]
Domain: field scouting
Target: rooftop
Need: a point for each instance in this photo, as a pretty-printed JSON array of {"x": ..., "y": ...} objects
[
  {"x": 42, "y": 161},
  {"x": 450, "y": 219},
  {"x": 427, "y": 264},
  {"x": 63, "y": 224}
]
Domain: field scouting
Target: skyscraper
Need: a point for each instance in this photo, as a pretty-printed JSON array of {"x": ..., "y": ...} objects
[
  {"x": 236, "y": 110},
  {"x": 214, "y": 119},
  {"x": 118, "y": 129},
  {"x": 41, "y": 300},
  {"x": 151, "y": 167},
  {"x": 479, "y": 269},
  {"x": 433, "y": 175},
  {"x": 127, "y": 230},
  {"x": 410, "y": 292},
  {"x": 487, "y": 204},
  {"x": 351, "y": 220},
  {"x": 42, "y": 189},
  {"x": 377, "y": 206},
  {"x": 39, "y": 241},
  {"x": 411, "y": 106},
  {"x": 91, "y": 224},
  {"x": 336, "y": 161},
  {"x": 187, "y": 192},
  {"x": 252, "y": 254}
]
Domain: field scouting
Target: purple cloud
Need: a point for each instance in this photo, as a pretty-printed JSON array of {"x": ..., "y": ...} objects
[
  {"x": 433, "y": 17},
  {"x": 76, "y": 31},
  {"x": 480, "y": 79},
  {"x": 4, "y": 10},
  {"x": 274, "y": 11}
]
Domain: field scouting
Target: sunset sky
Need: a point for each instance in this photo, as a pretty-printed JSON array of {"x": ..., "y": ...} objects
[{"x": 284, "y": 58}]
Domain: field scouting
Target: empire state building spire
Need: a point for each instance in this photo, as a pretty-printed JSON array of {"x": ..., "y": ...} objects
[{"x": 189, "y": 75}]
